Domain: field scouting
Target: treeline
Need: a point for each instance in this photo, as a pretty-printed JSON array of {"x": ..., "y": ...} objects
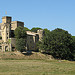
[
  {"x": 34, "y": 29},
  {"x": 58, "y": 43}
]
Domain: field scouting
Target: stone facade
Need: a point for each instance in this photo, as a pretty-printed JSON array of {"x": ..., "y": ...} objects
[
  {"x": 32, "y": 39},
  {"x": 7, "y": 27}
]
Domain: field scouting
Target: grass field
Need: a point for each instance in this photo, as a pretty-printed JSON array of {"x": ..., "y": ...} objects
[{"x": 36, "y": 67}]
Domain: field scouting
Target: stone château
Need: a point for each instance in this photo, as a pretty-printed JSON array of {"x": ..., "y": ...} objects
[{"x": 7, "y": 27}]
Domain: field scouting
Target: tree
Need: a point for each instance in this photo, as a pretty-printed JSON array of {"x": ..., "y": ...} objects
[
  {"x": 73, "y": 38},
  {"x": 20, "y": 44},
  {"x": 26, "y": 29},
  {"x": 46, "y": 31},
  {"x": 35, "y": 29},
  {"x": 61, "y": 44},
  {"x": 58, "y": 43},
  {"x": 41, "y": 44},
  {"x": 20, "y": 32},
  {"x": 73, "y": 46},
  {"x": 20, "y": 35}
]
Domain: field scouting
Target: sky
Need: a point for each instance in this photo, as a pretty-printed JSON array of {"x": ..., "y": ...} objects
[{"x": 50, "y": 14}]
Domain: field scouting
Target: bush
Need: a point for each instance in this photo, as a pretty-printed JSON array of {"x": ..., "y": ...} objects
[
  {"x": 20, "y": 35},
  {"x": 57, "y": 43},
  {"x": 20, "y": 44}
]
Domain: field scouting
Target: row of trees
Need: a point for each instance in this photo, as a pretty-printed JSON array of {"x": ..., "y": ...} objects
[
  {"x": 59, "y": 43},
  {"x": 33, "y": 29}
]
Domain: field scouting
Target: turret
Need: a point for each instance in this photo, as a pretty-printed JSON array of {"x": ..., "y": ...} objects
[
  {"x": 41, "y": 34},
  {"x": 5, "y": 27},
  {"x": 6, "y": 19}
]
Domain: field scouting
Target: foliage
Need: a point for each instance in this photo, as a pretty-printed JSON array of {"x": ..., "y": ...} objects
[
  {"x": 20, "y": 35},
  {"x": 40, "y": 44},
  {"x": 0, "y": 37},
  {"x": 20, "y": 32},
  {"x": 73, "y": 43},
  {"x": 73, "y": 46},
  {"x": 26, "y": 29},
  {"x": 9, "y": 40},
  {"x": 61, "y": 44},
  {"x": 58, "y": 43},
  {"x": 35, "y": 29},
  {"x": 20, "y": 44},
  {"x": 46, "y": 31}
]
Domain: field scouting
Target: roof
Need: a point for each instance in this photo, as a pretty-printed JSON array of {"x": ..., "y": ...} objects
[
  {"x": 18, "y": 21},
  {"x": 31, "y": 33},
  {"x": 6, "y": 17}
]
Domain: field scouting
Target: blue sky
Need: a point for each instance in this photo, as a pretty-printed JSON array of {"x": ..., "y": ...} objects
[{"x": 48, "y": 14}]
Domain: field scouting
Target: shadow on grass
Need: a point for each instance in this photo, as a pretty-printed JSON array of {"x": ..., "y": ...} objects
[{"x": 28, "y": 53}]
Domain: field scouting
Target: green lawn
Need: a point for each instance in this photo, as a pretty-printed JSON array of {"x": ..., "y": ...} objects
[{"x": 36, "y": 67}]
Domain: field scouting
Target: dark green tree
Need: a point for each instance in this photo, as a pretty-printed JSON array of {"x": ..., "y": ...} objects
[
  {"x": 20, "y": 35},
  {"x": 58, "y": 43},
  {"x": 61, "y": 44},
  {"x": 20, "y": 44},
  {"x": 35, "y": 29},
  {"x": 42, "y": 44},
  {"x": 26, "y": 29},
  {"x": 20, "y": 32},
  {"x": 73, "y": 46},
  {"x": 73, "y": 43},
  {"x": 46, "y": 31}
]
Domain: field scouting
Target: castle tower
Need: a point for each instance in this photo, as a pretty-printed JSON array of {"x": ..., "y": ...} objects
[
  {"x": 41, "y": 34},
  {"x": 5, "y": 27},
  {"x": 6, "y": 19}
]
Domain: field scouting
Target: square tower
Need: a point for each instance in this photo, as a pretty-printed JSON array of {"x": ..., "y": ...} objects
[
  {"x": 6, "y": 19},
  {"x": 5, "y": 27}
]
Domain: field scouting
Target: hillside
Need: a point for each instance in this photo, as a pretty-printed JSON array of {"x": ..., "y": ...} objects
[
  {"x": 20, "y": 56},
  {"x": 34, "y": 64}
]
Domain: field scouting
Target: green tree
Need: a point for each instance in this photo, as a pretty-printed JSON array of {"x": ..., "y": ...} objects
[
  {"x": 58, "y": 43},
  {"x": 26, "y": 29},
  {"x": 42, "y": 44},
  {"x": 20, "y": 44},
  {"x": 73, "y": 46},
  {"x": 35, "y": 29},
  {"x": 46, "y": 31},
  {"x": 61, "y": 44},
  {"x": 20, "y": 32},
  {"x": 20, "y": 35}
]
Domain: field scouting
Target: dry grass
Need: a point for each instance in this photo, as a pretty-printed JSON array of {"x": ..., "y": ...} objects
[
  {"x": 36, "y": 67},
  {"x": 20, "y": 56},
  {"x": 34, "y": 64}
]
